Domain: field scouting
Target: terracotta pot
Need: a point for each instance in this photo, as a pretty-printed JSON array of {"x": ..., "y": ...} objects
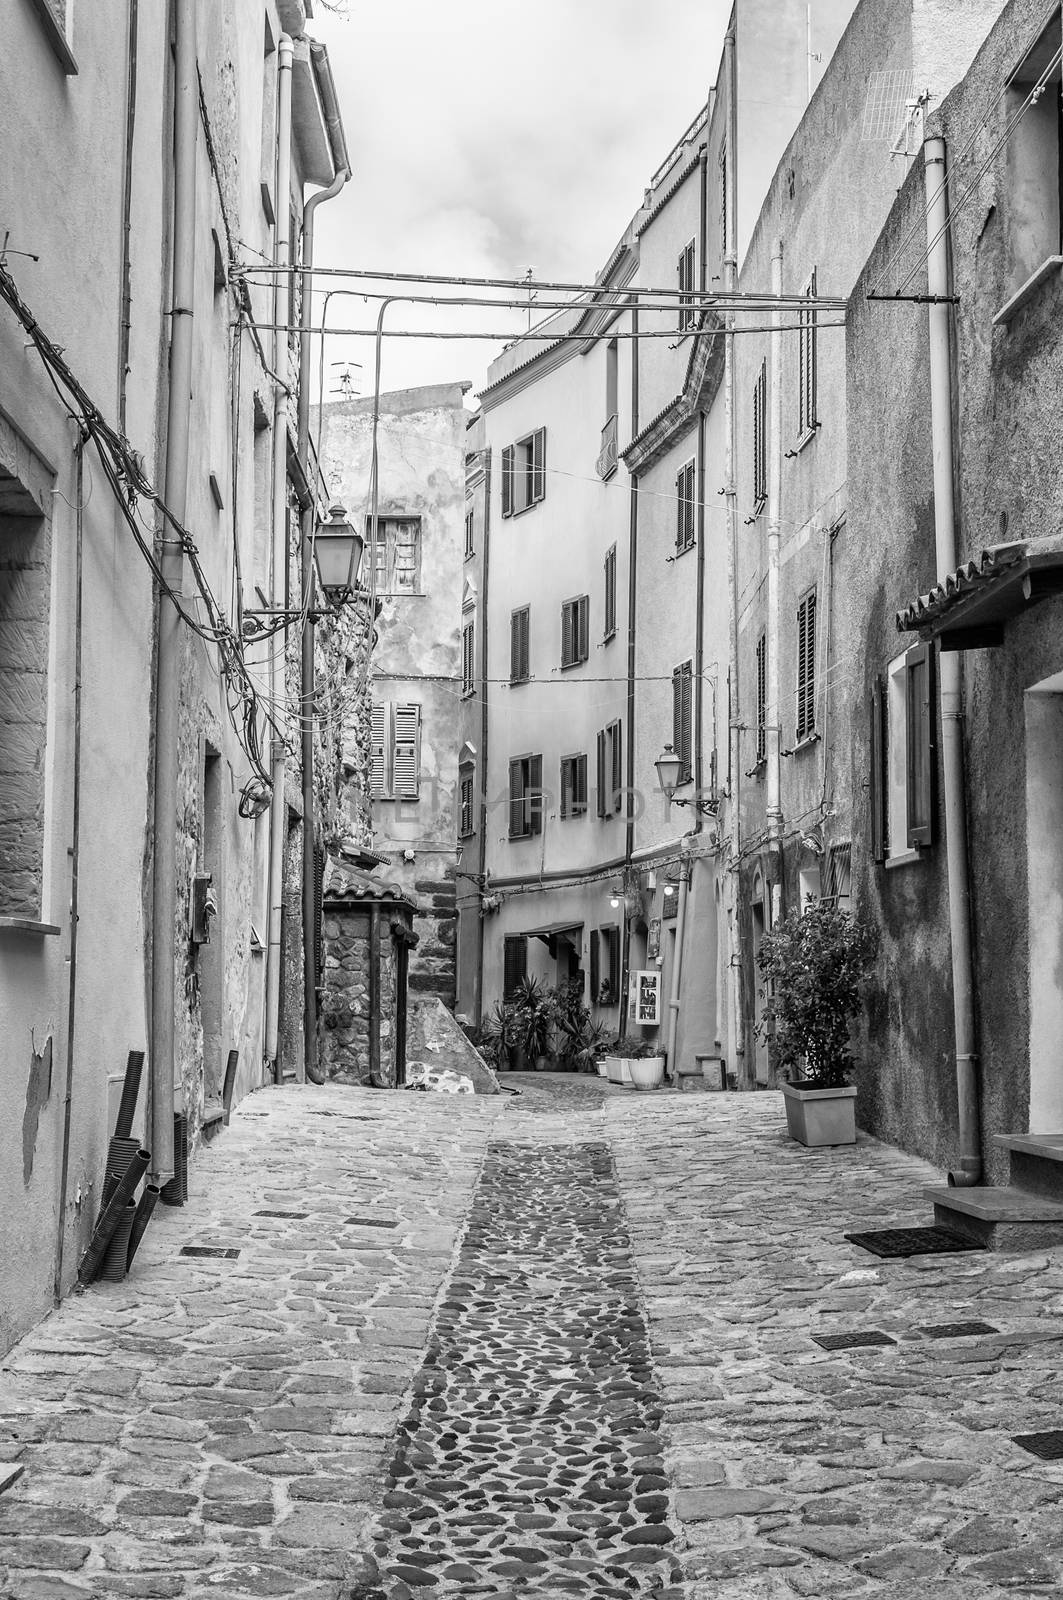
[{"x": 817, "y": 1117}]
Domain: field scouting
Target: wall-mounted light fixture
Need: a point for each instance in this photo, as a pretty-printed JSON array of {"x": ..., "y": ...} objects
[
  {"x": 338, "y": 550},
  {"x": 669, "y": 767}
]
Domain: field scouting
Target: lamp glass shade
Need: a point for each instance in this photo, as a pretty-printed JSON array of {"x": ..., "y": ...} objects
[
  {"x": 338, "y": 552},
  {"x": 668, "y": 765}
]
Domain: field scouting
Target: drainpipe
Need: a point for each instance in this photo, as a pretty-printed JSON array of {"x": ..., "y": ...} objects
[
  {"x": 481, "y": 861},
  {"x": 677, "y": 962},
  {"x": 734, "y": 720},
  {"x": 773, "y": 731},
  {"x": 306, "y": 557},
  {"x": 278, "y": 650},
  {"x": 171, "y": 557},
  {"x": 950, "y": 677},
  {"x": 632, "y": 618}
]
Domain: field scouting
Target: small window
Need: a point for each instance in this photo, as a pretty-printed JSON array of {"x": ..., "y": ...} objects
[
  {"x": 682, "y": 718},
  {"x": 686, "y": 495},
  {"x": 806, "y": 666},
  {"x": 610, "y": 592},
  {"x": 465, "y": 823},
  {"x": 686, "y": 270},
  {"x": 807, "y": 420},
  {"x": 514, "y": 965},
  {"x": 837, "y": 879},
  {"x": 762, "y": 698},
  {"x": 519, "y": 633},
  {"x": 468, "y": 658},
  {"x": 470, "y": 524},
  {"x": 573, "y": 786},
  {"x": 605, "y": 965},
  {"x": 575, "y": 631},
  {"x": 610, "y": 770},
  {"x": 396, "y": 555},
  {"x": 395, "y": 772},
  {"x": 760, "y": 440},
  {"x": 524, "y": 473},
  {"x": 903, "y": 730},
  {"x": 525, "y": 796}
]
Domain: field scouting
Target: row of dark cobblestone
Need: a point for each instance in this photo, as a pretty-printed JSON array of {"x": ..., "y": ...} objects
[{"x": 530, "y": 1461}]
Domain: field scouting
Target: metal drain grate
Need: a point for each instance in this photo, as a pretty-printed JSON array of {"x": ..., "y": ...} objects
[
  {"x": 852, "y": 1341},
  {"x": 897, "y": 1242},
  {"x": 217, "y": 1250},
  {"x": 1049, "y": 1446},
  {"x": 291, "y": 1216},
  {"x": 957, "y": 1330},
  {"x": 369, "y": 1222}
]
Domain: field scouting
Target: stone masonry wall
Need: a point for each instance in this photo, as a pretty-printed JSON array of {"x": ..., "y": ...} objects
[{"x": 345, "y": 997}]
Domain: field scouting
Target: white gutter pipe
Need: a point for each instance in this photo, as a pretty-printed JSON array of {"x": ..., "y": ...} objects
[
  {"x": 773, "y": 731},
  {"x": 950, "y": 677},
  {"x": 278, "y": 649},
  {"x": 167, "y": 689},
  {"x": 677, "y": 961}
]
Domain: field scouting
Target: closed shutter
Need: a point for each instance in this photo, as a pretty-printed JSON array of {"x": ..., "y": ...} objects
[
  {"x": 610, "y": 592},
  {"x": 681, "y": 718},
  {"x": 378, "y": 775},
  {"x": 517, "y": 827},
  {"x": 919, "y": 686},
  {"x": 877, "y": 771},
  {"x": 515, "y": 965},
  {"x": 407, "y": 751},
  {"x": 613, "y": 937},
  {"x": 601, "y": 775},
  {"x": 507, "y": 481},
  {"x": 596, "y": 968},
  {"x": 806, "y": 666},
  {"x": 568, "y": 621},
  {"x": 535, "y": 794},
  {"x": 538, "y": 472},
  {"x": 567, "y": 774},
  {"x": 518, "y": 646},
  {"x": 525, "y": 630},
  {"x": 319, "y": 878},
  {"x": 579, "y": 789},
  {"x": 617, "y": 766},
  {"x": 583, "y": 645},
  {"x": 762, "y": 698}
]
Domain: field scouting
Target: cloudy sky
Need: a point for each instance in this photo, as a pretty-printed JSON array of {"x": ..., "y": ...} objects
[{"x": 493, "y": 136}]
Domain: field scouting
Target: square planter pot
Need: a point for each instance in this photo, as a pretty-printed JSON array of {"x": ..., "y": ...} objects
[
  {"x": 617, "y": 1069},
  {"x": 820, "y": 1116}
]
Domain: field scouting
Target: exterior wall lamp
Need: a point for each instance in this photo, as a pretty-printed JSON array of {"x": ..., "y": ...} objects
[
  {"x": 338, "y": 550},
  {"x": 668, "y": 767}
]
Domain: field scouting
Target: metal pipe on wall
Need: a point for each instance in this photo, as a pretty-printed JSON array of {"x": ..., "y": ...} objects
[
  {"x": 677, "y": 960},
  {"x": 171, "y": 558},
  {"x": 950, "y": 677},
  {"x": 773, "y": 730}
]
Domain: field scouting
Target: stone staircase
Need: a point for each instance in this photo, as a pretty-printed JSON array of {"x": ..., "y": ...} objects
[{"x": 1025, "y": 1215}]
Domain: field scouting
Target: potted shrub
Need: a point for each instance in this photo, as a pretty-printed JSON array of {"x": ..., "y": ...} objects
[
  {"x": 815, "y": 965},
  {"x": 534, "y": 1022},
  {"x": 634, "y": 1061},
  {"x": 498, "y": 1042},
  {"x": 580, "y": 1040}
]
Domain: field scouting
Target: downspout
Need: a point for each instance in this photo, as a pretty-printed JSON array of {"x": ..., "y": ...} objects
[
  {"x": 278, "y": 650},
  {"x": 125, "y": 313},
  {"x": 632, "y": 614},
  {"x": 699, "y": 644},
  {"x": 950, "y": 676},
  {"x": 773, "y": 731},
  {"x": 734, "y": 720},
  {"x": 481, "y": 866},
  {"x": 677, "y": 962},
  {"x": 171, "y": 560},
  {"x": 306, "y": 558}
]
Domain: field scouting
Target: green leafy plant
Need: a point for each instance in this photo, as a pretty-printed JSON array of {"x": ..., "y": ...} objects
[
  {"x": 815, "y": 965},
  {"x": 534, "y": 1010},
  {"x": 640, "y": 1049},
  {"x": 498, "y": 1039}
]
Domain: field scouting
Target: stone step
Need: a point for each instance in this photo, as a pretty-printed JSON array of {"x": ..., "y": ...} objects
[
  {"x": 1001, "y": 1219},
  {"x": 1036, "y": 1162}
]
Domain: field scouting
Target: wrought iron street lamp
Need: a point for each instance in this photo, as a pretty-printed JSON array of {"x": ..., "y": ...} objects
[
  {"x": 669, "y": 767},
  {"x": 338, "y": 551}
]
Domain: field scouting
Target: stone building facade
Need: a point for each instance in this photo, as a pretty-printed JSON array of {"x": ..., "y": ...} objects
[{"x": 367, "y": 930}]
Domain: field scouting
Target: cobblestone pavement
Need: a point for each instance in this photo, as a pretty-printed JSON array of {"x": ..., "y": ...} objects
[{"x": 457, "y": 1308}]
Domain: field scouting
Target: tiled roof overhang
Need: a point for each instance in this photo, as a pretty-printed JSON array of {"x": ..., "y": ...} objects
[
  {"x": 968, "y": 609},
  {"x": 345, "y": 886}
]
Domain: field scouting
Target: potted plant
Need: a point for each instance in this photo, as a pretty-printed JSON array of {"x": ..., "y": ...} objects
[
  {"x": 634, "y": 1061},
  {"x": 580, "y": 1041},
  {"x": 534, "y": 1022},
  {"x": 815, "y": 964},
  {"x": 499, "y": 1043}
]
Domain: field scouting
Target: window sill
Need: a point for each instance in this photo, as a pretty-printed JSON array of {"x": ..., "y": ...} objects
[
  {"x": 29, "y": 925},
  {"x": 805, "y": 439},
  {"x": 516, "y": 683},
  {"x": 567, "y": 666},
  {"x": 684, "y": 549},
  {"x": 758, "y": 769},
  {"x": 56, "y": 38},
  {"x": 468, "y": 694},
  {"x": 607, "y": 638},
  {"x": 1048, "y": 269},
  {"x": 806, "y": 742},
  {"x": 469, "y": 554},
  {"x": 906, "y": 859}
]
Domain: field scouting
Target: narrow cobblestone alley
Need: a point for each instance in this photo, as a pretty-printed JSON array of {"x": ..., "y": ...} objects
[{"x": 553, "y": 1345}]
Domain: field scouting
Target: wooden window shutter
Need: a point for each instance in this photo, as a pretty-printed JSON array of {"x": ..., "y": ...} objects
[
  {"x": 378, "y": 772},
  {"x": 610, "y": 592},
  {"x": 601, "y": 773},
  {"x": 319, "y": 878},
  {"x": 583, "y": 630},
  {"x": 518, "y": 646},
  {"x": 566, "y": 797},
  {"x": 535, "y": 794},
  {"x": 613, "y": 938},
  {"x": 407, "y": 751},
  {"x": 762, "y": 698},
  {"x": 568, "y": 649},
  {"x": 617, "y": 766},
  {"x": 516, "y": 800},
  {"x": 877, "y": 772},
  {"x": 596, "y": 967},
  {"x": 515, "y": 964},
  {"x": 579, "y": 785},
  {"x": 538, "y": 472},
  {"x": 919, "y": 696},
  {"x": 507, "y": 481},
  {"x": 806, "y": 666}
]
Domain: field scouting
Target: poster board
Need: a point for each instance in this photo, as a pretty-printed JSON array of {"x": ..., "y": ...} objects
[{"x": 648, "y": 998}]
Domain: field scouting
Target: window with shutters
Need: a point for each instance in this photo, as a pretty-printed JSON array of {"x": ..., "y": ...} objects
[
  {"x": 610, "y": 593},
  {"x": 396, "y": 554},
  {"x": 470, "y": 525},
  {"x": 806, "y": 666},
  {"x": 514, "y": 964},
  {"x": 762, "y": 699},
  {"x": 610, "y": 773},
  {"x": 807, "y": 420},
  {"x": 466, "y": 819},
  {"x": 685, "y": 271},
  {"x": 838, "y": 877},
  {"x": 683, "y": 718},
  {"x": 903, "y": 773},
  {"x": 525, "y": 796},
  {"x": 760, "y": 440},
  {"x": 524, "y": 473},
  {"x": 380, "y": 773},
  {"x": 519, "y": 632},
  {"x": 468, "y": 658},
  {"x": 573, "y": 786},
  {"x": 395, "y": 772},
  {"x": 605, "y": 965},
  {"x": 575, "y": 631},
  {"x": 686, "y": 498}
]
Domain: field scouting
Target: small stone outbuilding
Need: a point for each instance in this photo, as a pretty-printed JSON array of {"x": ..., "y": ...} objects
[{"x": 367, "y": 936}]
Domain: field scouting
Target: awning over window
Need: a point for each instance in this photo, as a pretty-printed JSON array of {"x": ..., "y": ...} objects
[
  {"x": 968, "y": 610},
  {"x": 553, "y": 930}
]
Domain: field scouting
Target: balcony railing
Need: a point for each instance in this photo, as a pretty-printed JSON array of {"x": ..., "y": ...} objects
[{"x": 607, "y": 456}]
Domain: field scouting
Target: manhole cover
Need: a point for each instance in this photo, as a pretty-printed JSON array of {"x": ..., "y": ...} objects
[
  {"x": 291, "y": 1216},
  {"x": 957, "y": 1330},
  {"x": 913, "y": 1241},
  {"x": 209, "y": 1250},
  {"x": 852, "y": 1341},
  {"x": 368, "y": 1222},
  {"x": 1049, "y": 1446}
]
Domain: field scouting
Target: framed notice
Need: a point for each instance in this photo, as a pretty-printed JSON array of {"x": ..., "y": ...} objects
[
  {"x": 648, "y": 998},
  {"x": 653, "y": 941}
]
